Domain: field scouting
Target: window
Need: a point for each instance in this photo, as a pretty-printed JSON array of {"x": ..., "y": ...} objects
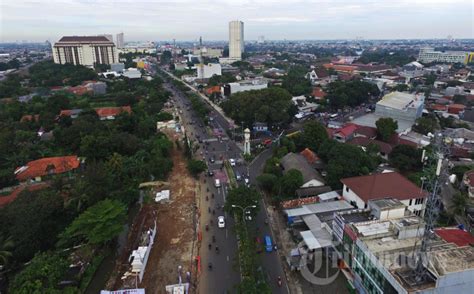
[
  {"x": 347, "y": 189},
  {"x": 411, "y": 201}
]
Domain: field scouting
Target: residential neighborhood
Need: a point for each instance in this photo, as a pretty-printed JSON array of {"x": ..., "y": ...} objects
[{"x": 244, "y": 164}]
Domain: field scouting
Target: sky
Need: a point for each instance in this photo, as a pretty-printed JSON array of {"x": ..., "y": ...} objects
[{"x": 186, "y": 20}]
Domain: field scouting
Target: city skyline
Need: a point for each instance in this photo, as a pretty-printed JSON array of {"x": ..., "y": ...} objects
[{"x": 275, "y": 19}]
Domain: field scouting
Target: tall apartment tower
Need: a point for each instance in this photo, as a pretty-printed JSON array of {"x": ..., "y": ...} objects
[
  {"x": 236, "y": 39},
  {"x": 120, "y": 43}
]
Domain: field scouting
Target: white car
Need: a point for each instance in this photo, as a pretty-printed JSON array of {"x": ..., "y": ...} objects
[
  {"x": 232, "y": 162},
  {"x": 247, "y": 182},
  {"x": 220, "y": 222}
]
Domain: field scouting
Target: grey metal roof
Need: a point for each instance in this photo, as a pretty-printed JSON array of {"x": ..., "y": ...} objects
[{"x": 298, "y": 162}]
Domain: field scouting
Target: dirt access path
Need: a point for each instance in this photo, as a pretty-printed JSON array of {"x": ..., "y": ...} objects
[{"x": 175, "y": 242}]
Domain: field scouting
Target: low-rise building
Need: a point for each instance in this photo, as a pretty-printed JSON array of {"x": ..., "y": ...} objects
[
  {"x": 37, "y": 170},
  {"x": 206, "y": 71},
  {"x": 360, "y": 190},
  {"x": 246, "y": 85}
]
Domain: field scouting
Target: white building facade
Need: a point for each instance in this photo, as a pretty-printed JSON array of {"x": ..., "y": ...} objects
[
  {"x": 120, "y": 42},
  {"x": 236, "y": 39},
  {"x": 428, "y": 55},
  {"x": 85, "y": 50},
  {"x": 206, "y": 71}
]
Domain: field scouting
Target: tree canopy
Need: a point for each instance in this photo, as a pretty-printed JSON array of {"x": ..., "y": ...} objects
[
  {"x": 48, "y": 74},
  {"x": 99, "y": 224},
  {"x": 405, "y": 158},
  {"x": 312, "y": 136},
  {"x": 386, "y": 127},
  {"x": 242, "y": 196},
  {"x": 397, "y": 58},
  {"x": 290, "y": 182},
  {"x": 350, "y": 93},
  {"x": 426, "y": 124},
  {"x": 272, "y": 106},
  {"x": 295, "y": 81},
  {"x": 195, "y": 167}
]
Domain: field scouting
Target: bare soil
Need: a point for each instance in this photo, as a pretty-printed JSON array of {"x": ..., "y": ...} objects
[{"x": 175, "y": 241}]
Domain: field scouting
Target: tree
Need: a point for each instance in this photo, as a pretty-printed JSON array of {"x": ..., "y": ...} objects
[
  {"x": 290, "y": 182},
  {"x": 386, "y": 127},
  {"x": 313, "y": 135},
  {"x": 33, "y": 221},
  {"x": 166, "y": 57},
  {"x": 99, "y": 224},
  {"x": 401, "y": 87},
  {"x": 267, "y": 181},
  {"x": 242, "y": 196},
  {"x": 425, "y": 125},
  {"x": 295, "y": 81},
  {"x": 6, "y": 247},
  {"x": 195, "y": 167},
  {"x": 405, "y": 158},
  {"x": 41, "y": 275},
  {"x": 272, "y": 106}
]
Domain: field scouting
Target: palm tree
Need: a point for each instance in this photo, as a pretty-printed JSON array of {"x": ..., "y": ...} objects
[{"x": 6, "y": 245}]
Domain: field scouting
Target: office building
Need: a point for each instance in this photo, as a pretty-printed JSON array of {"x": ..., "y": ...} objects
[
  {"x": 236, "y": 39},
  {"x": 85, "y": 50},
  {"x": 428, "y": 55},
  {"x": 120, "y": 42}
]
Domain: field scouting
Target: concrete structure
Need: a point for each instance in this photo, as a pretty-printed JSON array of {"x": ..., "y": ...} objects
[
  {"x": 403, "y": 107},
  {"x": 208, "y": 52},
  {"x": 120, "y": 43},
  {"x": 117, "y": 67},
  {"x": 236, "y": 39},
  {"x": 84, "y": 50},
  {"x": 360, "y": 190},
  {"x": 206, "y": 71},
  {"x": 242, "y": 86},
  {"x": 247, "y": 141},
  {"x": 428, "y": 55}
]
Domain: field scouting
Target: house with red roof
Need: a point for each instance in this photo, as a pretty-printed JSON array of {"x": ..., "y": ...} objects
[
  {"x": 384, "y": 148},
  {"x": 212, "y": 90},
  {"x": 468, "y": 181},
  {"x": 318, "y": 93},
  {"x": 360, "y": 190},
  {"x": 346, "y": 133},
  {"x": 37, "y": 170},
  {"x": 109, "y": 113}
]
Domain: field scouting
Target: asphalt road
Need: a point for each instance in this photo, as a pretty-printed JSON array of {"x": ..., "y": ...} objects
[{"x": 218, "y": 147}]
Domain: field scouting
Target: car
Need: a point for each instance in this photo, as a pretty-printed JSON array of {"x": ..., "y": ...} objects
[
  {"x": 258, "y": 245},
  {"x": 232, "y": 162},
  {"x": 217, "y": 183},
  {"x": 238, "y": 177},
  {"x": 247, "y": 182},
  {"x": 213, "y": 159},
  {"x": 268, "y": 243},
  {"x": 220, "y": 222},
  {"x": 210, "y": 173}
]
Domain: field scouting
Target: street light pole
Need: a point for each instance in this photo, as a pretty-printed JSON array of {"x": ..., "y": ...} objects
[{"x": 244, "y": 209}]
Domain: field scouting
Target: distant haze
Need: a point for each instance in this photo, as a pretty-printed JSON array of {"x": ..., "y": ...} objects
[{"x": 274, "y": 19}]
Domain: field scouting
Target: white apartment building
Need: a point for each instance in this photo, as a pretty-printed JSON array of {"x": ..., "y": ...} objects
[
  {"x": 428, "y": 54},
  {"x": 120, "y": 42},
  {"x": 85, "y": 50},
  {"x": 236, "y": 39},
  {"x": 206, "y": 71}
]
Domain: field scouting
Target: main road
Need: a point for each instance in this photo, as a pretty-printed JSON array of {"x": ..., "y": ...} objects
[{"x": 216, "y": 147}]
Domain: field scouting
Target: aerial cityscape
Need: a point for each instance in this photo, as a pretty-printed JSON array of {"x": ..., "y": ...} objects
[{"x": 237, "y": 147}]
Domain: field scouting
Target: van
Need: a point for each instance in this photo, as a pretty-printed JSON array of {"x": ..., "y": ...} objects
[
  {"x": 268, "y": 244},
  {"x": 334, "y": 115},
  {"x": 238, "y": 176},
  {"x": 217, "y": 183}
]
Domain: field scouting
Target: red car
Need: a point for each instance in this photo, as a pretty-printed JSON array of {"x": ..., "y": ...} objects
[{"x": 258, "y": 244}]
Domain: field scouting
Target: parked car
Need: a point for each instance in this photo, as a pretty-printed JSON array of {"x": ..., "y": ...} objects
[
  {"x": 220, "y": 222},
  {"x": 217, "y": 183},
  {"x": 268, "y": 243},
  {"x": 210, "y": 173},
  {"x": 238, "y": 177},
  {"x": 213, "y": 159}
]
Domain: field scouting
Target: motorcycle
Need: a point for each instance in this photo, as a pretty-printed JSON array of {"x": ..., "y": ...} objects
[
  {"x": 210, "y": 246},
  {"x": 207, "y": 227},
  {"x": 217, "y": 250},
  {"x": 210, "y": 266},
  {"x": 279, "y": 281},
  {"x": 214, "y": 239}
]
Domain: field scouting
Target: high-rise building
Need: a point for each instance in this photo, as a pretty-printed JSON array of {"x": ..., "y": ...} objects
[
  {"x": 236, "y": 39},
  {"x": 120, "y": 42},
  {"x": 85, "y": 50}
]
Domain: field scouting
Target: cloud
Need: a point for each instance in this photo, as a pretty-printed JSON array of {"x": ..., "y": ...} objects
[{"x": 277, "y": 19}]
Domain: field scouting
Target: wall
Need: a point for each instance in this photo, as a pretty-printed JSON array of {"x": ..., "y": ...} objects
[{"x": 349, "y": 196}]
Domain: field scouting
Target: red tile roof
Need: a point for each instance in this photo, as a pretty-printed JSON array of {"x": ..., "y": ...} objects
[
  {"x": 4, "y": 200},
  {"x": 29, "y": 117},
  {"x": 298, "y": 202},
  {"x": 363, "y": 141},
  {"x": 318, "y": 93},
  {"x": 438, "y": 107},
  {"x": 347, "y": 130},
  {"x": 368, "y": 132},
  {"x": 456, "y": 108},
  {"x": 112, "y": 111},
  {"x": 456, "y": 236},
  {"x": 45, "y": 166},
  {"x": 310, "y": 156},
  {"x": 377, "y": 186},
  {"x": 212, "y": 90},
  {"x": 79, "y": 90}
]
